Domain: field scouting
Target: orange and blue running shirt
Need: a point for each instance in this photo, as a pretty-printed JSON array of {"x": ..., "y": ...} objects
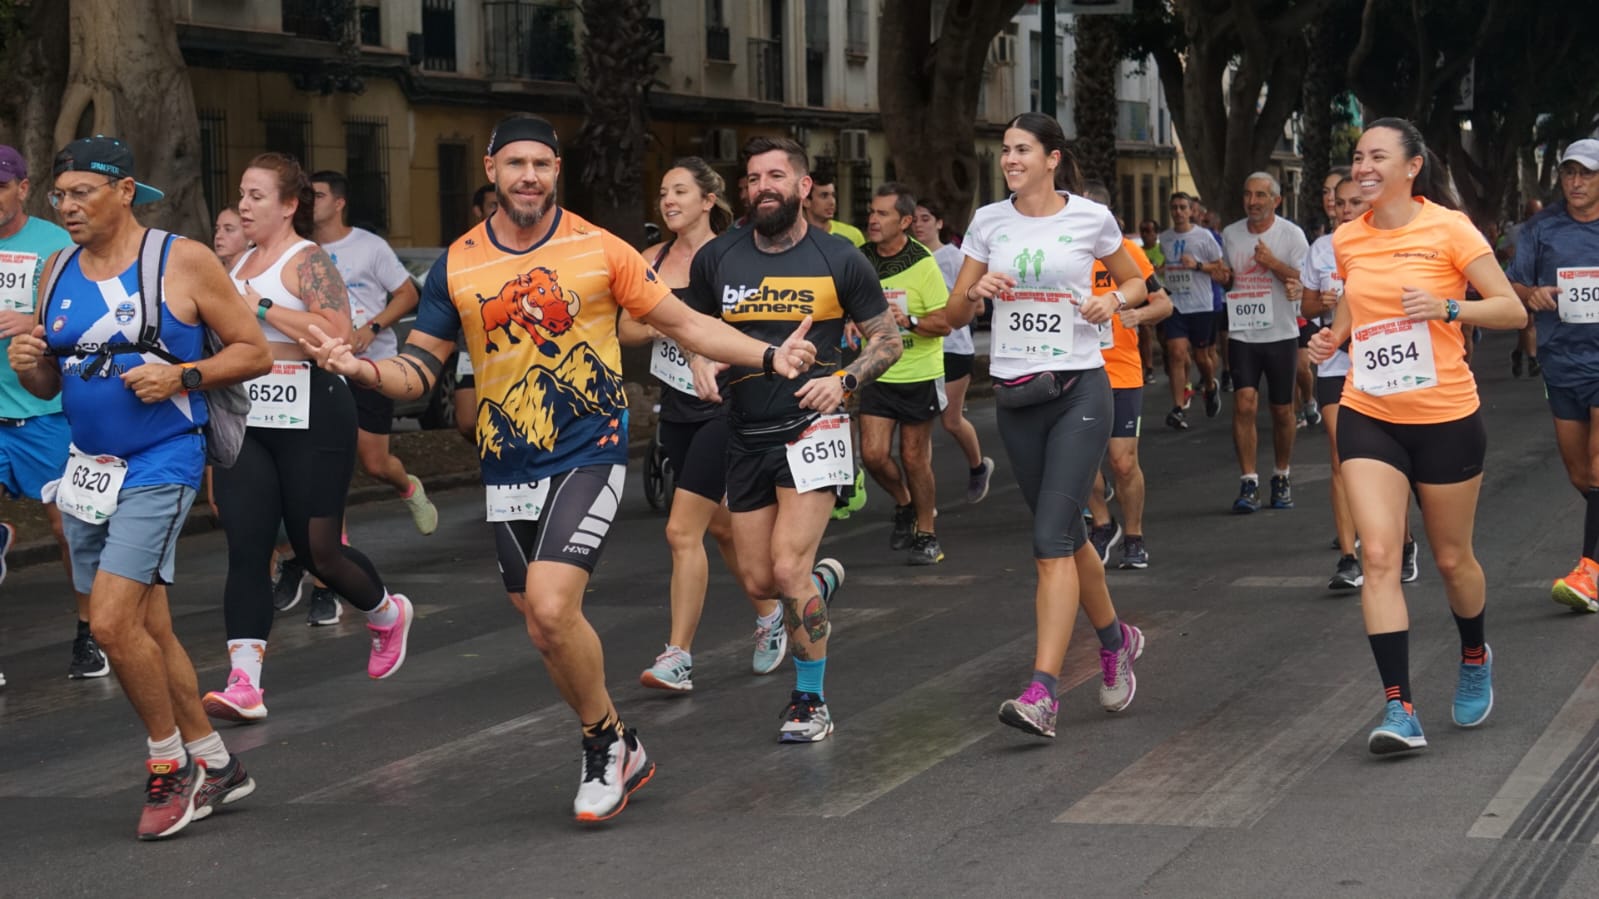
[
  {"x": 540, "y": 326},
  {"x": 1123, "y": 363},
  {"x": 1431, "y": 254}
]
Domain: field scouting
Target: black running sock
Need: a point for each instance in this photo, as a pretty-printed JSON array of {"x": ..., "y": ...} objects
[
  {"x": 1590, "y": 523},
  {"x": 1471, "y": 638},
  {"x": 979, "y": 469},
  {"x": 1047, "y": 680},
  {"x": 83, "y": 628},
  {"x": 1110, "y": 636},
  {"x": 1392, "y": 651},
  {"x": 610, "y": 723}
]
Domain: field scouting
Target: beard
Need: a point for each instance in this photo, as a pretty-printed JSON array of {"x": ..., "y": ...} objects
[
  {"x": 520, "y": 218},
  {"x": 770, "y": 223}
]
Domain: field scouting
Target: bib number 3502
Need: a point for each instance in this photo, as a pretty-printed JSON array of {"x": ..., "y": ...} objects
[
  {"x": 823, "y": 456},
  {"x": 89, "y": 488},
  {"x": 1392, "y": 356},
  {"x": 1579, "y": 295}
]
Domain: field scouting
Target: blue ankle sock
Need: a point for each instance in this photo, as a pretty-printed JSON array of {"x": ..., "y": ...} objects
[{"x": 808, "y": 676}]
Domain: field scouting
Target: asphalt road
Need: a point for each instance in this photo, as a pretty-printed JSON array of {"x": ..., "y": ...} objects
[{"x": 1239, "y": 770}]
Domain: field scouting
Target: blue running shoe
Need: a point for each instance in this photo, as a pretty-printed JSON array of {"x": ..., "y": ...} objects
[
  {"x": 1474, "y": 694},
  {"x": 1400, "y": 731},
  {"x": 1248, "y": 497}
]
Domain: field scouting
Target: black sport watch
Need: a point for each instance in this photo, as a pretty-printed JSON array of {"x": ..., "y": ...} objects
[
  {"x": 848, "y": 379},
  {"x": 191, "y": 377},
  {"x": 376, "y": 326}
]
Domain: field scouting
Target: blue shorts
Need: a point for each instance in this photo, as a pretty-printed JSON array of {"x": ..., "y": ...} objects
[
  {"x": 1573, "y": 403},
  {"x": 139, "y": 542},
  {"x": 1198, "y": 328},
  {"x": 32, "y": 454}
]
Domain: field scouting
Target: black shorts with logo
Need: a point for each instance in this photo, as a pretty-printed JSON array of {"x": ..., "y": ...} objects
[
  {"x": 911, "y": 403},
  {"x": 572, "y": 528}
]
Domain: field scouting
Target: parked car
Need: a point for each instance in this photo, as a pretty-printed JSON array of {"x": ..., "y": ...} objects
[{"x": 436, "y": 410}]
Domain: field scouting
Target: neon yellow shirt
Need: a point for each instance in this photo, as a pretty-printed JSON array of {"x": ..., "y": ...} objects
[
  {"x": 847, "y": 231},
  {"x": 912, "y": 280}
]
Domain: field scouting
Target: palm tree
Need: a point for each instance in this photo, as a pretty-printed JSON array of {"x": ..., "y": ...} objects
[
  {"x": 1095, "y": 72},
  {"x": 618, "y": 69}
]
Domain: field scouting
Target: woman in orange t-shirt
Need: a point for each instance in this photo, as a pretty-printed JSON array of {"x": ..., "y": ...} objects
[{"x": 1410, "y": 416}]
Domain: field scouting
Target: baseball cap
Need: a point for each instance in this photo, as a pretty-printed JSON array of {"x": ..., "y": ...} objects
[
  {"x": 104, "y": 156},
  {"x": 1583, "y": 152},
  {"x": 523, "y": 127},
  {"x": 12, "y": 166}
]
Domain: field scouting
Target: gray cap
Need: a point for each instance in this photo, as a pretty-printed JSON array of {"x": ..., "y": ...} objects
[{"x": 1583, "y": 152}]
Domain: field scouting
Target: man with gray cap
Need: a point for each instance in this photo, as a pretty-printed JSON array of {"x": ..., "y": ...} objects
[
  {"x": 33, "y": 432},
  {"x": 133, "y": 394},
  {"x": 1556, "y": 274}
]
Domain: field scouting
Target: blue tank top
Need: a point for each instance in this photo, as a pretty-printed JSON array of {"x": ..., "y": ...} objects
[{"x": 161, "y": 441}]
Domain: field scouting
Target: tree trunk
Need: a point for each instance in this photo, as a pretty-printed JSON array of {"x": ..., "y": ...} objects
[
  {"x": 1316, "y": 127},
  {"x": 127, "y": 79},
  {"x": 33, "y": 73},
  {"x": 618, "y": 69},
  {"x": 927, "y": 95},
  {"x": 1095, "y": 74}
]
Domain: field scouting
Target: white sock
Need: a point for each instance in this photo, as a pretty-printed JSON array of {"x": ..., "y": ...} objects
[
  {"x": 387, "y": 614},
  {"x": 772, "y": 619},
  {"x": 1280, "y": 472},
  {"x": 170, "y": 748},
  {"x": 247, "y": 656},
  {"x": 209, "y": 749},
  {"x": 1253, "y": 478}
]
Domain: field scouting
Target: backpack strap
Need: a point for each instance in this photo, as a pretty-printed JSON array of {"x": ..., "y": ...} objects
[
  {"x": 152, "y": 270},
  {"x": 62, "y": 258}
]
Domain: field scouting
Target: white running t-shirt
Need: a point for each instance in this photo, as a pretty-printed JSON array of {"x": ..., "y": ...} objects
[
  {"x": 1253, "y": 281},
  {"x": 1190, "y": 290},
  {"x": 371, "y": 272},
  {"x": 959, "y": 341}
]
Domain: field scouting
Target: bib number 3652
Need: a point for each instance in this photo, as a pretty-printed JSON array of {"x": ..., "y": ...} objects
[
  {"x": 823, "y": 456},
  {"x": 1035, "y": 325},
  {"x": 90, "y": 486}
]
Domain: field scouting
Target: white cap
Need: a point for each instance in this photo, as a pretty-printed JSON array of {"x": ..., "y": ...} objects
[{"x": 1583, "y": 152}]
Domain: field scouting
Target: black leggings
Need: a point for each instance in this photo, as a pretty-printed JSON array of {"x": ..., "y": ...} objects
[
  {"x": 1055, "y": 448},
  {"x": 299, "y": 478}
]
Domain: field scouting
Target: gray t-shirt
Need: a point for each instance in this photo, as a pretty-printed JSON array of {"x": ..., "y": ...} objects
[{"x": 371, "y": 271}]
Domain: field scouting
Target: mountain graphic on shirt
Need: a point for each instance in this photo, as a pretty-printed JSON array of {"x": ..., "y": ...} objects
[{"x": 530, "y": 415}]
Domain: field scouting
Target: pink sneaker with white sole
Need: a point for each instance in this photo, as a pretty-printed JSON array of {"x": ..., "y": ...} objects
[
  {"x": 241, "y": 701},
  {"x": 388, "y": 643}
]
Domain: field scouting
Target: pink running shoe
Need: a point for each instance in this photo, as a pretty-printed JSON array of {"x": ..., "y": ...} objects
[
  {"x": 241, "y": 701},
  {"x": 388, "y": 643}
]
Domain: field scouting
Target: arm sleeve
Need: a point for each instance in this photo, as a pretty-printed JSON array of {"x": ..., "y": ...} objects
[
  {"x": 634, "y": 285},
  {"x": 1523, "y": 268},
  {"x": 701, "y": 292},
  {"x": 975, "y": 243},
  {"x": 391, "y": 272},
  {"x": 436, "y": 314}
]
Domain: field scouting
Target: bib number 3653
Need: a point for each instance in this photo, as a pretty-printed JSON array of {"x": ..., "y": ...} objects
[
  {"x": 823, "y": 456},
  {"x": 90, "y": 486}
]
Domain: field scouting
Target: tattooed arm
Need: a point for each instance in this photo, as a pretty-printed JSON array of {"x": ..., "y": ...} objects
[
  {"x": 882, "y": 349},
  {"x": 313, "y": 278}
]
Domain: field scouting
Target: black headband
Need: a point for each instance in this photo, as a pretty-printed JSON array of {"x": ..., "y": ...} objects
[{"x": 523, "y": 127}]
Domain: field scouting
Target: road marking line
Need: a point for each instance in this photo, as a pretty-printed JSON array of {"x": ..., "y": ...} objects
[{"x": 1565, "y": 733}]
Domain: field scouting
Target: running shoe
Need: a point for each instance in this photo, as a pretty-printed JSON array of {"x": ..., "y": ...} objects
[
  {"x": 673, "y": 670},
  {"x": 1282, "y": 494},
  {"x": 806, "y": 720},
  {"x": 1118, "y": 684},
  {"x": 1400, "y": 731},
  {"x": 1474, "y": 692},
  {"x": 423, "y": 513},
  {"x": 1134, "y": 555},
  {"x": 977, "y": 482},
  {"x": 325, "y": 608},
  {"x": 1409, "y": 570},
  {"x": 228, "y": 785},
  {"x": 1312, "y": 414},
  {"x": 1176, "y": 419},
  {"x": 1105, "y": 537},
  {"x": 851, "y": 500},
  {"x": 614, "y": 765},
  {"x": 1579, "y": 589},
  {"x": 289, "y": 587},
  {"x": 1349, "y": 575},
  {"x": 1188, "y": 396},
  {"x": 88, "y": 660},
  {"x": 241, "y": 701},
  {"x": 1032, "y": 712},
  {"x": 829, "y": 576},
  {"x": 388, "y": 643},
  {"x": 1212, "y": 399},
  {"x": 169, "y": 796},
  {"x": 771, "y": 644},
  {"x": 904, "y": 527},
  {"x": 1299, "y": 420},
  {"x": 1248, "y": 497},
  {"x": 8, "y": 538},
  {"x": 925, "y": 550}
]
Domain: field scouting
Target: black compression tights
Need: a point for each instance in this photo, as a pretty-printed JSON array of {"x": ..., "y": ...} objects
[{"x": 298, "y": 477}]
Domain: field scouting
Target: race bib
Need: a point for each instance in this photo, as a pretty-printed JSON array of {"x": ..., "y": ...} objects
[
  {"x": 282, "y": 397},
  {"x": 1393, "y": 356},
  {"x": 1035, "y": 325},
  {"x": 16, "y": 281},
  {"x": 899, "y": 299},
  {"x": 89, "y": 487},
  {"x": 463, "y": 364},
  {"x": 823, "y": 456},
  {"x": 1579, "y": 295},
  {"x": 1107, "y": 336},
  {"x": 670, "y": 364},
  {"x": 516, "y": 502},
  {"x": 1249, "y": 302}
]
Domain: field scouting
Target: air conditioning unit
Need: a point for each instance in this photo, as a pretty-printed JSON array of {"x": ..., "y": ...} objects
[
  {"x": 1002, "y": 52},
  {"x": 721, "y": 145},
  {"x": 852, "y": 145}
]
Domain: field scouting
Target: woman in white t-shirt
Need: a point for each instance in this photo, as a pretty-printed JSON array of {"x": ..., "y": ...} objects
[
  {"x": 959, "y": 353},
  {"x": 1033, "y": 255}
]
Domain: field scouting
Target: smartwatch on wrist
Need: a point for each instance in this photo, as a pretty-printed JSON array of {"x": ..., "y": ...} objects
[
  {"x": 376, "y": 326},
  {"x": 262, "y": 307},
  {"x": 848, "y": 379},
  {"x": 191, "y": 376},
  {"x": 1451, "y": 310}
]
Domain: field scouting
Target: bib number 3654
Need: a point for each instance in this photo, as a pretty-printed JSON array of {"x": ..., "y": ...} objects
[
  {"x": 1392, "y": 356},
  {"x": 823, "y": 456}
]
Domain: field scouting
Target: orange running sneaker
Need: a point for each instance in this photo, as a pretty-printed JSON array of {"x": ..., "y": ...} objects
[{"x": 1579, "y": 589}]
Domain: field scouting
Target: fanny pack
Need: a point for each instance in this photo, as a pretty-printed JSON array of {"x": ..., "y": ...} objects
[{"x": 1031, "y": 390}]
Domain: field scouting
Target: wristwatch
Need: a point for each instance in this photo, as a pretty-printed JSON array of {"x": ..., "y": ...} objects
[
  {"x": 848, "y": 379},
  {"x": 1451, "y": 310},
  {"x": 376, "y": 326},
  {"x": 913, "y": 321},
  {"x": 262, "y": 307},
  {"x": 191, "y": 376}
]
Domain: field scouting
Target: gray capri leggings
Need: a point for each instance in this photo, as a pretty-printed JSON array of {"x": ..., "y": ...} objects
[{"x": 1055, "y": 448}]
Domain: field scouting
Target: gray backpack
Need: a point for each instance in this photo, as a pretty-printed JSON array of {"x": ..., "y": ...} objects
[{"x": 228, "y": 407}]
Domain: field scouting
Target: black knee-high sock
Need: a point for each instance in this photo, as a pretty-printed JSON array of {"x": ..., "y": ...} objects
[
  {"x": 1590, "y": 523},
  {"x": 1471, "y": 637},
  {"x": 1392, "y": 651}
]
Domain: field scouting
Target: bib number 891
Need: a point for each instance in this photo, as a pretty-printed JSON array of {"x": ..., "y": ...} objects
[
  {"x": 1382, "y": 357},
  {"x": 273, "y": 393},
  {"x": 1035, "y": 322},
  {"x": 823, "y": 451}
]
